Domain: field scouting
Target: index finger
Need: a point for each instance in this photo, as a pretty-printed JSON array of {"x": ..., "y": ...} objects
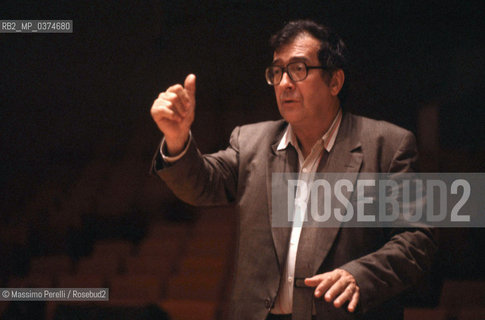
[{"x": 325, "y": 283}]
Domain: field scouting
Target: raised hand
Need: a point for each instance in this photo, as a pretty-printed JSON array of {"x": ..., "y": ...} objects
[{"x": 173, "y": 112}]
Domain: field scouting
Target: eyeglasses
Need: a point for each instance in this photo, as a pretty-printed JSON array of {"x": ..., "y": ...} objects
[{"x": 297, "y": 71}]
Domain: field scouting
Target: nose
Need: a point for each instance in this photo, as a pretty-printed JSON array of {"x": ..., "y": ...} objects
[{"x": 286, "y": 80}]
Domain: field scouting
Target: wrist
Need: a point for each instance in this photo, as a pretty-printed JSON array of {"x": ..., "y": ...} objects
[{"x": 177, "y": 145}]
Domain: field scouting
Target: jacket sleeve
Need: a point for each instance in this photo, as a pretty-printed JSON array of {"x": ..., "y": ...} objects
[
  {"x": 406, "y": 256},
  {"x": 202, "y": 179}
]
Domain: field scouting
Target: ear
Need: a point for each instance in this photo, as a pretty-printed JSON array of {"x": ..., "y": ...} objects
[{"x": 337, "y": 81}]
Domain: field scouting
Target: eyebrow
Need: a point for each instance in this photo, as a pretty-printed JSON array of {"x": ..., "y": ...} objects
[{"x": 292, "y": 59}]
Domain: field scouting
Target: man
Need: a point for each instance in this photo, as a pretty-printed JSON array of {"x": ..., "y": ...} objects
[{"x": 298, "y": 273}]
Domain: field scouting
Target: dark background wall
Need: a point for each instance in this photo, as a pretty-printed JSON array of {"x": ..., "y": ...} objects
[{"x": 68, "y": 98}]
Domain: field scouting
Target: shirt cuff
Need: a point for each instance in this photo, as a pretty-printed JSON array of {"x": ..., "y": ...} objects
[{"x": 170, "y": 159}]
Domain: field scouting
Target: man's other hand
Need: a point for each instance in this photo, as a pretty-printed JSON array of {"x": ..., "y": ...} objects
[
  {"x": 338, "y": 286},
  {"x": 173, "y": 112}
]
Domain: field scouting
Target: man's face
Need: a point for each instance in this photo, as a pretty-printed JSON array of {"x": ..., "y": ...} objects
[{"x": 304, "y": 102}]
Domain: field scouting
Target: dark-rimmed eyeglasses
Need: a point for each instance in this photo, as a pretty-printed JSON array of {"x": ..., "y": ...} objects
[{"x": 297, "y": 71}]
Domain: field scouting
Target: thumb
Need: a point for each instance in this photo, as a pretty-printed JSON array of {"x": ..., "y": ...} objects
[{"x": 189, "y": 85}]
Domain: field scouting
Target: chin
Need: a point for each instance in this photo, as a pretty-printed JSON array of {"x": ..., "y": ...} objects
[
  {"x": 290, "y": 114},
  {"x": 291, "y": 117}
]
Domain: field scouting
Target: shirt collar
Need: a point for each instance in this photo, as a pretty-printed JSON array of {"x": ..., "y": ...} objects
[{"x": 328, "y": 137}]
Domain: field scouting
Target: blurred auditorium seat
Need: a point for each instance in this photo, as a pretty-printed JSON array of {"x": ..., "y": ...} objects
[
  {"x": 460, "y": 300},
  {"x": 120, "y": 248},
  {"x": 203, "y": 265},
  {"x": 13, "y": 235},
  {"x": 180, "y": 309},
  {"x": 209, "y": 246},
  {"x": 165, "y": 230},
  {"x": 106, "y": 312},
  {"x": 25, "y": 310},
  {"x": 149, "y": 196},
  {"x": 84, "y": 190},
  {"x": 56, "y": 265},
  {"x": 168, "y": 248},
  {"x": 135, "y": 289},
  {"x": 216, "y": 221},
  {"x": 425, "y": 314},
  {"x": 463, "y": 294},
  {"x": 207, "y": 287},
  {"x": 150, "y": 265},
  {"x": 472, "y": 313},
  {"x": 3, "y": 307},
  {"x": 101, "y": 265},
  {"x": 33, "y": 280},
  {"x": 118, "y": 193},
  {"x": 82, "y": 281}
]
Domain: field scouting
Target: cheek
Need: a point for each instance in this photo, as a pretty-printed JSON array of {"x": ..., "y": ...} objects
[
  {"x": 277, "y": 93},
  {"x": 305, "y": 94},
  {"x": 319, "y": 92}
]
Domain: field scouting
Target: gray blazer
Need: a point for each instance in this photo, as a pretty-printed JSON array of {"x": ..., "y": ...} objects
[{"x": 384, "y": 262}]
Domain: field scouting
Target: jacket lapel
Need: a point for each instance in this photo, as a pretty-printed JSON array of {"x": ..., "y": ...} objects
[
  {"x": 315, "y": 242},
  {"x": 279, "y": 161}
]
